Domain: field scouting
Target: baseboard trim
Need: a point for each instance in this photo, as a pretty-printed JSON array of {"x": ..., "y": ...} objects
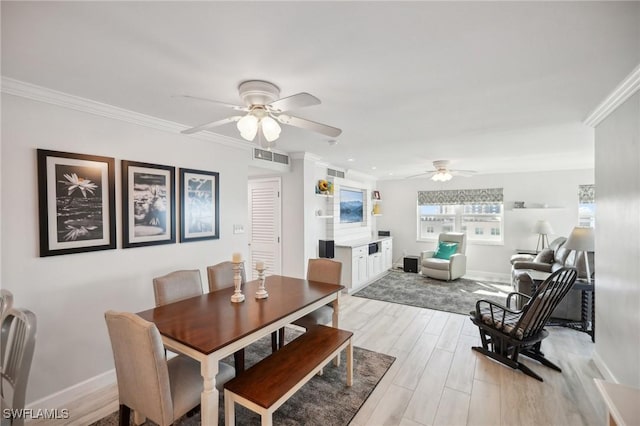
[
  {"x": 64, "y": 398},
  {"x": 603, "y": 368}
]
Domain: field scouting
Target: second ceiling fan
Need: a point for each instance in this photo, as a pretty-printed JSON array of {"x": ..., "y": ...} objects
[
  {"x": 263, "y": 111},
  {"x": 443, "y": 173}
]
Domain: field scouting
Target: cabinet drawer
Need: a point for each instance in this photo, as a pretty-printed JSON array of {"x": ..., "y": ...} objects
[{"x": 360, "y": 251}]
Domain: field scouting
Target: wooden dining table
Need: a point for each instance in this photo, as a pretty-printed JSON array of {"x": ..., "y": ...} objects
[{"x": 210, "y": 327}]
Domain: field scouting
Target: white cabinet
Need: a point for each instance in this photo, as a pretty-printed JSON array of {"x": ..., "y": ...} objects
[{"x": 360, "y": 268}]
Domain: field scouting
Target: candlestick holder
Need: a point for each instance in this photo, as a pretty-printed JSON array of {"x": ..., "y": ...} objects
[
  {"x": 237, "y": 295},
  {"x": 261, "y": 293}
]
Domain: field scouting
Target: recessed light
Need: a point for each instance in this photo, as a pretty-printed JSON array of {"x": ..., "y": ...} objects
[
  {"x": 351, "y": 160},
  {"x": 373, "y": 168}
]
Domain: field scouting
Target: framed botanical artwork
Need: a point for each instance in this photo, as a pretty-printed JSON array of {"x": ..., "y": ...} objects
[
  {"x": 199, "y": 205},
  {"x": 76, "y": 200},
  {"x": 148, "y": 204}
]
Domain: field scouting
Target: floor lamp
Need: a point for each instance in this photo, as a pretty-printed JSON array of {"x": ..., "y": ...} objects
[
  {"x": 582, "y": 239},
  {"x": 542, "y": 228}
]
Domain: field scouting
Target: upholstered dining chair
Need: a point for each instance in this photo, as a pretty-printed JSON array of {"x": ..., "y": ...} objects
[
  {"x": 449, "y": 261},
  {"x": 325, "y": 271},
  {"x": 17, "y": 343},
  {"x": 220, "y": 276},
  {"x": 6, "y": 301},
  {"x": 507, "y": 332},
  {"x": 176, "y": 286},
  {"x": 153, "y": 387}
]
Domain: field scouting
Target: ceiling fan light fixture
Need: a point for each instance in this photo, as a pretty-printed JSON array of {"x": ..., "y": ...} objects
[
  {"x": 442, "y": 176},
  {"x": 248, "y": 126},
  {"x": 270, "y": 128}
]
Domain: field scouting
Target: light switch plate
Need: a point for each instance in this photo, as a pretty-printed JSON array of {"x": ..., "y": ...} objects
[{"x": 238, "y": 229}]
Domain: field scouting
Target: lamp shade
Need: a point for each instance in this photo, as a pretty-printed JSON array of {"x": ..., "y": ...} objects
[
  {"x": 248, "y": 126},
  {"x": 442, "y": 176},
  {"x": 542, "y": 227},
  {"x": 270, "y": 128},
  {"x": 582, "y": 238}
]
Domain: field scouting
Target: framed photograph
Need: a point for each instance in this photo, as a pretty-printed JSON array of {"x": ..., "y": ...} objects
[
  {"x": 199, "y": 205},
  {"x": 76, "y": 197},
  {"x": 148, "y": 204},
  {"x": 376, "y": 195}
]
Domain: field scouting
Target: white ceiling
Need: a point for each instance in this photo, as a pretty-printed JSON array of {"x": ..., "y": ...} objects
[{"x": 491, "y": 86}]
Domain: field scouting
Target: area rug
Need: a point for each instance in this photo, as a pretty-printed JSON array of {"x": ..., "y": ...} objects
[
  {"x": 324, "y": 400},
  {"x": 458, "y": 296}
]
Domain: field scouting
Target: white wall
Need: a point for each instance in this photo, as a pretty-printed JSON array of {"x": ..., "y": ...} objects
[
  {"x": 557, "y": 189},
  {"x": 618, "y": 243},
  {"x": 70, "y": 293}
]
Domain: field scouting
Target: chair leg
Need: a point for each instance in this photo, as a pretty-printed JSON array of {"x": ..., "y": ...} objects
[
  {"x": 125, "y": 414},
  {"x": 281, "y": 338},
  {"x": 238, "y": 361},
  {"x": 539, "y": 356},
  {"x": 274, "y": 341},
  {"x": 508, "y": 361}
]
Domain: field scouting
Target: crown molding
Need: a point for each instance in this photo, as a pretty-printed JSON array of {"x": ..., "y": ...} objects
[
  {"x": 620, "y": 94},
  {"x": 43, "y": 94}
]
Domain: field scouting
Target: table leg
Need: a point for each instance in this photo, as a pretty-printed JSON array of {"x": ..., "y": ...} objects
[
  {"x": 209, "y": 395},
  {"x": 335, "y": 321}
]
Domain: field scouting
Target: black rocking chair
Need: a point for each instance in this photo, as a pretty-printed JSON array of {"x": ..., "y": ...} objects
[{"x": 507, "y": 333}]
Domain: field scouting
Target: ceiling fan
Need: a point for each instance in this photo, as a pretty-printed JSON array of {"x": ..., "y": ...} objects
[
  {"x": 443, "y": 173},
  {"x": 262, "y": 111}
]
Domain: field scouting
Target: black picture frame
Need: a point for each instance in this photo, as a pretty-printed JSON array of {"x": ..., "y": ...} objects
[
  {"x": 148, "y": 204},
  {"x": 199, "y": 205},
  {"x": 76, "y": 202}
]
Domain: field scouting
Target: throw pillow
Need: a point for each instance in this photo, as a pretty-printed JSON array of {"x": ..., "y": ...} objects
[
  {"x": 545, "y": 256},
  {"x": 445, "y": 250}
]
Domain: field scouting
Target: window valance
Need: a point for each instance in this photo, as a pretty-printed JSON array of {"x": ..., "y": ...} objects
[
  {"x": 587, "y": 194},
  {"x": 460, "y": 196}
]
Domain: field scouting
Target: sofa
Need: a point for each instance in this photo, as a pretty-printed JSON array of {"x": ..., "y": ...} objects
[{"x": 550, "y": 260}]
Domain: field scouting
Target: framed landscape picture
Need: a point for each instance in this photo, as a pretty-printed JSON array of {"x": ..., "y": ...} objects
[
  {"x": 76, "y": 198},
  {"x": 199, "y": 205},
  {"x": 149, "y": 207}
]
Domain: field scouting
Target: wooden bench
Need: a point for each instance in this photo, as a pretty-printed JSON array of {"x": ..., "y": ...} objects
[{"x": 267, "y": 385}]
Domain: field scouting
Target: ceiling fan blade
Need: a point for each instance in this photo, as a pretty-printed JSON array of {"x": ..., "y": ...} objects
[
  {"x": 210, "y": 125},
  {"x": 223, "y": 104},
  {"x": 463, "y": 173},
  {"x": 426, "y": 175},
  {"x": 298, "y": 100},
  {"x": 303, "y": 123}
]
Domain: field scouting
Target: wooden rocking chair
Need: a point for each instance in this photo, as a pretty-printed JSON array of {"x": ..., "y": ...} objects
[{"x": 507, "y": 333}]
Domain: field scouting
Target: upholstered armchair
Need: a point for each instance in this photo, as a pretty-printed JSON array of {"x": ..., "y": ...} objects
[{"x": 449, "y": 261}]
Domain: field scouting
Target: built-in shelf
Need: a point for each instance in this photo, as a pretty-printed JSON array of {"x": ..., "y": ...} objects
[
  {"x": 325, "y": 195},
  {"x": 377, "y": 214},
  {"x": 324, "y": 217}
]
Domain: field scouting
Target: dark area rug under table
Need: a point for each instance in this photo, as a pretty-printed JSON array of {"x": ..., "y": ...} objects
[
  {"x": 324, "y": 400},
  {"x": 458, "y": 296}
]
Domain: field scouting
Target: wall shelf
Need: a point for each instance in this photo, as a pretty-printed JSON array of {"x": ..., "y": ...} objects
[{"x": 324, "y": 217}]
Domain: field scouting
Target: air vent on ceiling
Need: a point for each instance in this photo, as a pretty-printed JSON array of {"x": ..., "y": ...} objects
[
  {"x": 280, "y": 158},
  {"x": 335, "y": 173}
]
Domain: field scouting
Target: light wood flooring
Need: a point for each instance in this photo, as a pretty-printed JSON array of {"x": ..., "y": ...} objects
[{"x": 438, "y": 380}]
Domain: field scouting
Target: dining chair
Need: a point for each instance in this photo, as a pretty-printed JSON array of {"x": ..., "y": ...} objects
[
  {"x": 220, "y": 275},
  {"x": 325, "y": 271},
  {"x": 176, "y": 286},
  {"x": 153, "y": 387},
  {"x": 6, "y": 301},
  {"x": 17, "y": 343}
]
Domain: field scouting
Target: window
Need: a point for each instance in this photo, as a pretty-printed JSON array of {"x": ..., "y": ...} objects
[
  {"x": 477, "y": 212},
  {"x": 587, "y": 205}
]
